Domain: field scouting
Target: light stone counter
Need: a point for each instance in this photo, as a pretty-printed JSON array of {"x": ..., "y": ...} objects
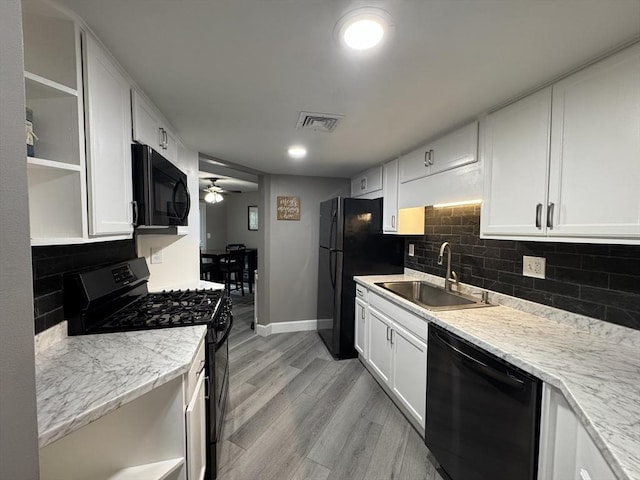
[
  {"x": 192, "y": 285},
  {"x": 82, "y": 378},
  {"x": 594, "y": 364}
]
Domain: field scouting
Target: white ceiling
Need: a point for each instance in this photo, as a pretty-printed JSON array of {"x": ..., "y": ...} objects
[{"x": 233, "y": 75}]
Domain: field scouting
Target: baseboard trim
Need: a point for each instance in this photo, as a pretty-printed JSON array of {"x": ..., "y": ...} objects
[{"x": 284, "y": 327}]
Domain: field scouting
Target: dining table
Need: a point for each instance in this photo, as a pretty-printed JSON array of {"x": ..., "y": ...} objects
[{"x": 250, "y": 255}]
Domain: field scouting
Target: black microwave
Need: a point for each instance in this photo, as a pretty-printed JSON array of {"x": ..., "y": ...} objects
[{"x": 160, "y": 193}]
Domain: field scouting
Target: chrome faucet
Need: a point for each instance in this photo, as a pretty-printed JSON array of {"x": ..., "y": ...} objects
[{"x": 451, "y": 276}]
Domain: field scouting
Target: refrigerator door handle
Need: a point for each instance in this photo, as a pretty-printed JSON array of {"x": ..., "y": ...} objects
[
  {"x": 332, "y": 230},
  {"x": 332, "y": 269}
]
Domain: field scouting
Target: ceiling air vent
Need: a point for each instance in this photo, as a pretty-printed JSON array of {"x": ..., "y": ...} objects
[{"x": 319, "y": 122}]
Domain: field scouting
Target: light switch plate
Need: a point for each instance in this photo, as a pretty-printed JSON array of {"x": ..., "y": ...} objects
[
  {"x": 411, "y": 249},
  {"x": 533, "y": 266},
  {"x": 156, "y": 255}
]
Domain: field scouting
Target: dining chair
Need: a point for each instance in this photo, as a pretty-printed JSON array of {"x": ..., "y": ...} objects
[
  {"x": 233, "y": 264},
  {"x": 209, "y": 270}
]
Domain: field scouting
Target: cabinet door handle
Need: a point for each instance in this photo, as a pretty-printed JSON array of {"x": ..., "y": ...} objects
[
  {"x": 166, "y": 139},
  {"x": 387, "y": 334},
  {"x": 428, "y": 158},
  {"x": 391, "y": 336},
  {"x": 393, "y": 221},
  {"x": 550, "y": 209},
  {"x": 362, "y": 313},
  {"x": 161, "y": 137},
  {"x": 134, "y": 204},
  {"x": 539, "y": 216}
]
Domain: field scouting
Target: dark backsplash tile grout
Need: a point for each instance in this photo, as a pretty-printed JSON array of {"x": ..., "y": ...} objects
[
  {"x": 50, "y": 263},
  {"x": 600, "y": 281}
]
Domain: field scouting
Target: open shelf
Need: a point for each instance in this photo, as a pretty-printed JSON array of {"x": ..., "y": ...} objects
[
  {"x": 43, "y": 162},
  {"x": 50, "y": 46},
  {"x": 56, "y": 209},
  {"x": 41, "y": 87},
  {"x": 150, "y": 471},
  {"x": 56, "y": 121}
]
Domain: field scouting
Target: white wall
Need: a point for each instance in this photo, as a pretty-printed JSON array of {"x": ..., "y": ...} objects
[
  {"x": 180, "y": 254},
  {"x": 288, "y": 273},
  {"x": 18, "y": 424},
  {"x": 216, "y": 225},
  {"x": 238, "y": 221}
]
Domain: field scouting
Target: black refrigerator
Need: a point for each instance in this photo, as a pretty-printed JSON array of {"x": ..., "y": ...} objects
[{"x": 351, "y": 243}]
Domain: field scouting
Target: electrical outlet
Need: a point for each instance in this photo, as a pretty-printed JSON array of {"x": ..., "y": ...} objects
[
  {"x": 533, "y": 266},
  {"x": 208, "y": 236},
  {"x": 411, "y": 249},
  {"x": 156, "y": 255}
]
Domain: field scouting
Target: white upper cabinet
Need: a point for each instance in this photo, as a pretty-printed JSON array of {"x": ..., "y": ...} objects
[
  {"x": 390, "y": 189},
  {"x": 564, "y": 164},
  {"x": 107, "y": 112},
  {"x": 367, "y": 183},
  {"x": 595, "y": 150},
  {"x": 451, "y": 151},
  {"x": 150, "y": 129},
  {"x": 515, "y": 154},
  {"x": 145, "y": 125}
]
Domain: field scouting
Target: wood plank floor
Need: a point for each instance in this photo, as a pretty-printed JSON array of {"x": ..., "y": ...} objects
[{"x": 296, "y": 414}]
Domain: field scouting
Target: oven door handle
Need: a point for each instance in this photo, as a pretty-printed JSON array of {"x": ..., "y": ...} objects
[
  {"x": 226, "y": 333},
  {"x": 207, "y": 387},
  {"x": 481, "y": 367}
]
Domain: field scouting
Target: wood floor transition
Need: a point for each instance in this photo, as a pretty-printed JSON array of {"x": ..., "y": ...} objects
[{"x": 296, "y": 414}]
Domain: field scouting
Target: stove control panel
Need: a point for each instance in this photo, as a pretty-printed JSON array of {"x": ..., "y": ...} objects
[{"x": 123, "y": 275}]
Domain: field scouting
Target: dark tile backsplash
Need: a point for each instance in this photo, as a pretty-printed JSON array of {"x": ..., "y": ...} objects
[
  {"x": 51, "y": 262},
  {"x": 600, "y": 281}
]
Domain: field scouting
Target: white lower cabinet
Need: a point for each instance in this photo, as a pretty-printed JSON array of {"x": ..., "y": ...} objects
[
  {"x": 361, "y": 327},
  {"x": 409, "y": 371},
  {"x": 567, "y": 452},
  {"x": 399, "y": 358},
  {"x": 380, "y": 352},
  {"x": 160, "y": 435},
  {"x": 196, "y": 432}
]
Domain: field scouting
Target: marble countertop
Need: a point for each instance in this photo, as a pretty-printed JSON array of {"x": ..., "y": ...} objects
[
  {"x": 193, "y": 285},
  {"x": 82, "y": 378},
  {"x": 598, "y": 375}
]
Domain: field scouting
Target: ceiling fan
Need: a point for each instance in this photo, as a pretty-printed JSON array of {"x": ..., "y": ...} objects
[{"x": 214, "y": 192}]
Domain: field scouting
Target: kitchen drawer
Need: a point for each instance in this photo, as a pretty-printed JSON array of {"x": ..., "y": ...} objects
[
  {"x": 411, "y": 322},
  {"x": 194, "y": 371},
  {"x": 362, "y": 293}
]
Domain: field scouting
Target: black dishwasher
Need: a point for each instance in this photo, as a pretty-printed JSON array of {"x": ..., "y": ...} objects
[{"x": 483, "y": 414}]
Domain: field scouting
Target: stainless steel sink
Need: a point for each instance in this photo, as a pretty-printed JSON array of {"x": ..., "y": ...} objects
[{"x": 431, "y": 297}]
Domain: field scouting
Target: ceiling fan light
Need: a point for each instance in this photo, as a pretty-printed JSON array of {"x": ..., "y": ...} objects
[
  {"x": 210, "y": 197},
  {"x": 218, "y": 197}
]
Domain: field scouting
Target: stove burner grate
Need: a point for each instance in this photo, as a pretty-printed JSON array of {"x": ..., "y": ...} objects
[{"x": 165, "y": 309}]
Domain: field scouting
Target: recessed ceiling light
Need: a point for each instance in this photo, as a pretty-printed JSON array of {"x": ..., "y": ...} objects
[
  {"x": 364, "y": 28},
  {"x": 297, "y": 151}
]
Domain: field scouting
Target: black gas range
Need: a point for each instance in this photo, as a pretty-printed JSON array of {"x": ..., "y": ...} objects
[{"x": 115, "y": 298}]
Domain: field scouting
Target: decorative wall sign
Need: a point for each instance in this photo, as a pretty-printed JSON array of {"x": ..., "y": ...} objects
[{"x": 288, "y": 208}]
